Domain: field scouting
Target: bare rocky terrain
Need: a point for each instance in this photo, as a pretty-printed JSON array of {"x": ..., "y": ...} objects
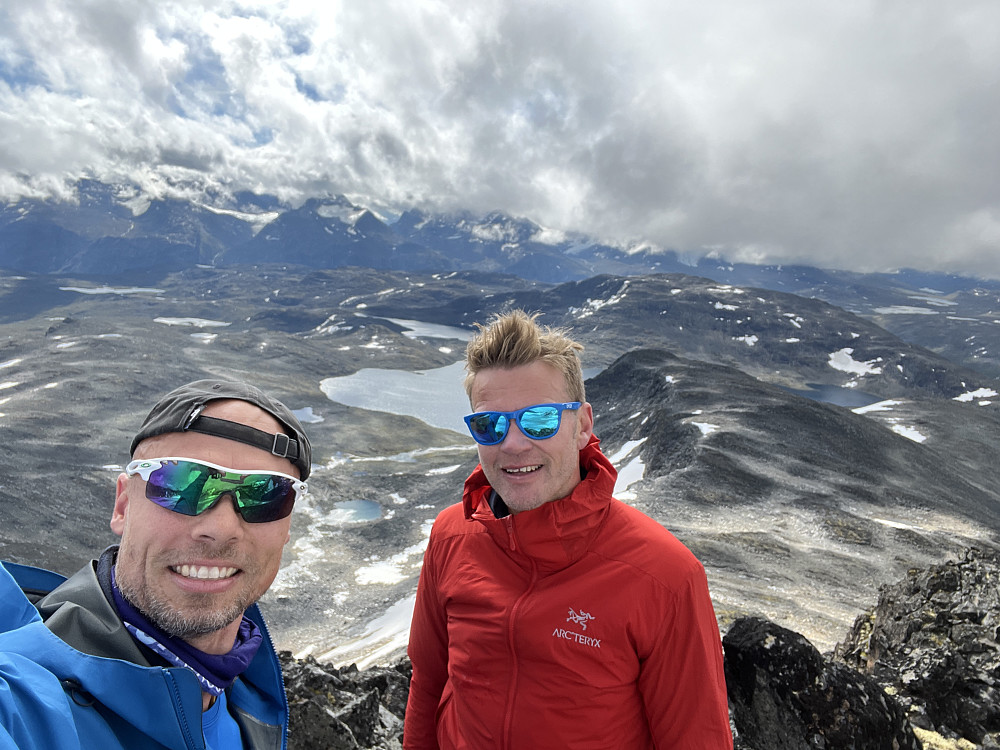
[{"x": 798, "y": 509}]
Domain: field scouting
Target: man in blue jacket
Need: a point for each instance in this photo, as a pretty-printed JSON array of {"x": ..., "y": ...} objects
[{"x": 159, "y": 643}]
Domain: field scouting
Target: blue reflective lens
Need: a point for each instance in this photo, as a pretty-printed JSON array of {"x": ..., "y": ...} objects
[{"x": 537, "y": 422}]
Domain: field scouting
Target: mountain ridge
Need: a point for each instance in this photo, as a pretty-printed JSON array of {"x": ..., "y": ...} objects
[{"x": 112, "y": 229}]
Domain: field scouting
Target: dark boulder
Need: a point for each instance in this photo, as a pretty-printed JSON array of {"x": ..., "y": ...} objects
[
  {"x": 784, "y": 695},
  {"x": 342, "y": 708}
]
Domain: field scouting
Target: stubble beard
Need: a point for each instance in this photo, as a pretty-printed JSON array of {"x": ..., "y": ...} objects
[{"x": 201, "y": 617}]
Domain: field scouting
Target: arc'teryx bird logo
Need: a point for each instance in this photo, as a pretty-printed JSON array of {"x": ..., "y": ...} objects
[{"x": 579, "y": 618}]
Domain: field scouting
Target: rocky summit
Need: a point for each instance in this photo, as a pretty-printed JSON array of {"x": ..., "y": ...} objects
[
  {"x": 917, "y": 671},
  {"x": 932, "y": 641},
  {"x": 786, "y": 696},
  {"x": 333, "y": 708}
]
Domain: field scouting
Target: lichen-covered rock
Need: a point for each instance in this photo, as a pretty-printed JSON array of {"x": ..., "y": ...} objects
[
  {"x": 932, "y": 640},
  {"x": 784, "y": 695},
  {"x": 333, "y": 708}
]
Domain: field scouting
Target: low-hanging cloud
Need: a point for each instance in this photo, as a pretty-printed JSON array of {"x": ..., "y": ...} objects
[{"x": 856, "y": 135}]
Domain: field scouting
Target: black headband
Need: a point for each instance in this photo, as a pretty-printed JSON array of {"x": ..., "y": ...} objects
[{"x": 278, "y": 444}]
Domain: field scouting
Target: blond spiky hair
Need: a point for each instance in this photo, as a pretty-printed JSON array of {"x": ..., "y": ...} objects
[{"x": 514, "y": 338}]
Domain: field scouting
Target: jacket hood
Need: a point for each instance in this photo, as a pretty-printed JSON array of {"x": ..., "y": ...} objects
[{"x": 557, "y": 533}]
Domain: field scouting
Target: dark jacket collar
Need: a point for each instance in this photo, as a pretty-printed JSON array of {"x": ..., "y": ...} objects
[{"x": 80, "y": 612}]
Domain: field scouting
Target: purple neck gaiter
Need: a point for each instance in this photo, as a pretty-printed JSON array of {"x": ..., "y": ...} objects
[{"x": 215, "y": 672}]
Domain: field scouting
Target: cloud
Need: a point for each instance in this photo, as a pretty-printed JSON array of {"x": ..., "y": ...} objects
[{"x": 858, "y": 134}]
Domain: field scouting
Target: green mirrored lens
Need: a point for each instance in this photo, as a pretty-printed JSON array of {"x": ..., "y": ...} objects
[
  {"x": 178, "y": 487},
  {"x": 190, "y": 488}
]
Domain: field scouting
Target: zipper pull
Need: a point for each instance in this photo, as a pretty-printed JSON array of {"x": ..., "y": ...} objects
[{"x": 509, "y": 522}]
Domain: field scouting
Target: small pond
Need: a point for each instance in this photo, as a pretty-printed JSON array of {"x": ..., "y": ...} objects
[
  {"x": 834, "y": 394},
  {"x": 355, "y": 511}
]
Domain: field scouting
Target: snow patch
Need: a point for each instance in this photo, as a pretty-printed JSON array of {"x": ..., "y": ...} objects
[
  {"x": 593, "y": 305},
  {"x": 393, "y": 570},
  {"x": 195, "y": 322},
  {"x": 843, "y": 361},
  {"x": 725, "y": 289},
  {"x": 978, "y": 393},
  {"x": 344, "y": 214},
  {"x": 419, "y": 329},
  {"x": 905, "y": 310},
  {"x": 628, "y": 475},
  {"x": 111, "y": 289},
  {"x": 895, "y": 524},
  {"x": 909, "y": 432},
  {"x": 382, "y": 637},
  {"x": 306, "y": 415},
  {"x": 443, "y": 470},
  {"x": 257, "y": 221},
  {"x": 938, "y": 301},
  {"x": 878, "y": 406}
]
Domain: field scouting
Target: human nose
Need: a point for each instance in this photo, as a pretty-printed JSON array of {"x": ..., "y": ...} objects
[
  {"x": 221, "y": 522},
  {"x": 515, "y": 439}
]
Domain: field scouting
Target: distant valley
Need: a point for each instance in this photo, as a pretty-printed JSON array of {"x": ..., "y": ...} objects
[{"x": 798, "y": 508}]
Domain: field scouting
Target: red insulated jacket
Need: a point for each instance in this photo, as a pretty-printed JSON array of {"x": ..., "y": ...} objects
[{"x": 580, "y": 625}]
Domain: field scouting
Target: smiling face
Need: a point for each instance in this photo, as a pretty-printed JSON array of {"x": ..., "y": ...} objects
[
  {"x": 528, "y": 473},
  {"x": 194, "y": 576}
]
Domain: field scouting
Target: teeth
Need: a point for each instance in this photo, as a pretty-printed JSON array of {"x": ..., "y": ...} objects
[
  {"x": 523, "y": 470},
  {"x": 203, "y": 571}
]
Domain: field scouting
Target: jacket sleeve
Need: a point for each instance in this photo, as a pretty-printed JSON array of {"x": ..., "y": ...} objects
[
  {"x": 428, "y": 651},
  {"x": 681, "y": 679},
  {"x": 34, "y": 709}
]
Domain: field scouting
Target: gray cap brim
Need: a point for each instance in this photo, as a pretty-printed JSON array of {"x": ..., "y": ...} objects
[{"x": 180, "y": 411}]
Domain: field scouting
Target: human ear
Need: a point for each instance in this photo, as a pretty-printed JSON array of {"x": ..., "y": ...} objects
[
  {"x": 120, "y": 513},
  {"x": 585, "y": 425}
]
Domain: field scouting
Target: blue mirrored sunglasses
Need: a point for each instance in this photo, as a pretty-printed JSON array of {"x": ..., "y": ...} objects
[
  {"x": 537, "y": 422},
  {"x": 191, "y": 487}
]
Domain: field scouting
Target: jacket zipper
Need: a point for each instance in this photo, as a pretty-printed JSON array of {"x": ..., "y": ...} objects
[
  {"x": 281, "y": 679},
  {"x": 512, "y": 689}
]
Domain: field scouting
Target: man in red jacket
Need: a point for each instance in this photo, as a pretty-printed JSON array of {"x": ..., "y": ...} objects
[{"x": 549, "y": 614}]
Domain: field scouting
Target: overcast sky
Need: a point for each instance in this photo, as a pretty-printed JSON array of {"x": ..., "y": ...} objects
[{"x": 850, "y": 133}]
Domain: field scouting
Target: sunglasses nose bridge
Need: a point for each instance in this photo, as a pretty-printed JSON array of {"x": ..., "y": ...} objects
[
  {"x": 221, "y": 508},
  {"x": 516, "y": 435}
]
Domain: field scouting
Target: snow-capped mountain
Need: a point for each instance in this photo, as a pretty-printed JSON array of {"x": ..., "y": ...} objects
[{"x": 110, "y": 230}]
